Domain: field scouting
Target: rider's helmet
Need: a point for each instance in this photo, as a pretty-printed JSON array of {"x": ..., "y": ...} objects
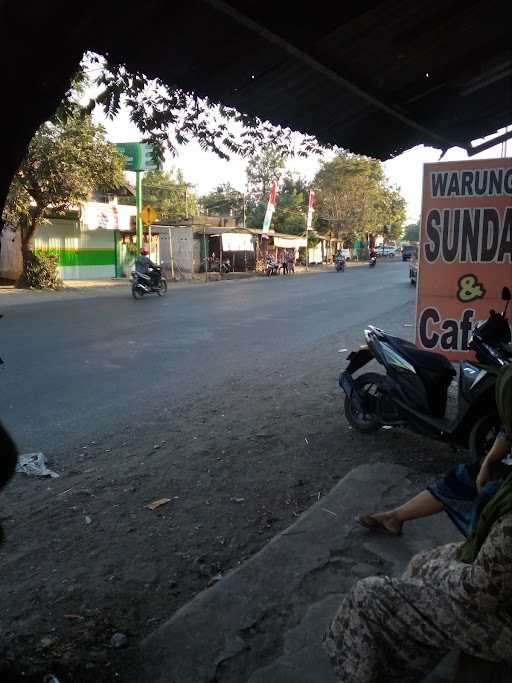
[{"x": 144, "y": 251}]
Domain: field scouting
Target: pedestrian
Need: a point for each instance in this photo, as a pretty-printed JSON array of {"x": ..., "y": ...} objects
[
  {"x": 290, "y": 262},
  {"x": 466, "y": 488},
  {"x": 284, "y": 264},
  {"x": 457, "y": 596}
]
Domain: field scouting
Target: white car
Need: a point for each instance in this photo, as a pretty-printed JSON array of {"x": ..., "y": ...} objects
[{"x": 346, "y": 254}]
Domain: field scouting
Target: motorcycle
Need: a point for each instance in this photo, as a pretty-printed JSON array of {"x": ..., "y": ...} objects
[
  {"x": 272, "y": 268},
  {"x": 372, "y": 261},
  {"x": 414, "y": 391},
  {"x": 340, "y": 264},
  {"x": 144, "y": 284}
]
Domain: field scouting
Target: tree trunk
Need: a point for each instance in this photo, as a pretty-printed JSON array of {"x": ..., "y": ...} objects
[{"x": 27, "y": 228}]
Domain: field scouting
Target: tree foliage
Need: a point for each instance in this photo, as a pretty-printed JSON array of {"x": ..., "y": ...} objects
[
  {"x": 262, "y": 169},
  {"x": 67, "y": 159},
  {"x": 412, "y": 232},
  {"x": 354, "y": 198},
  {"x": 224, "y": 200},
  {"x": 169, "y": 116},
  {"x": 169, "y": 194},
  {"x": 291, "y": 206}
]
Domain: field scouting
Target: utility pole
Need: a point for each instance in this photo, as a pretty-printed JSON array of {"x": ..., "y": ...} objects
[
  {"x": 138, "y": 203},
  {"x": 205, "y": 254},
  {"x": 170, "y": 254}
]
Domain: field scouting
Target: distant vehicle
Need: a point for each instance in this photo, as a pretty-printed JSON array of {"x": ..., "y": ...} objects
[
  {"x": 340, "y": 263},
  {"x": 346, "y": 254},
  {"x": 408, "y": 251},
  {"x": 386, "y": 251}
]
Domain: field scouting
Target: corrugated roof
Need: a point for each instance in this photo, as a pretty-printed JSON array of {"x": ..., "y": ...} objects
[{"x": 373, "y": 77}]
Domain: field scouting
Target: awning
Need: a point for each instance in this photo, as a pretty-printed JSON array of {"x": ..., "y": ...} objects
[
  {"x": 289, "y": 243},
  {"x": 234, "y": 241}
]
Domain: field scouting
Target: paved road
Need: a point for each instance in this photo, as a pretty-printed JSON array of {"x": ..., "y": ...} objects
[
  {"x": 222, "y": 399},
  {"x": 83, "y": 367}
]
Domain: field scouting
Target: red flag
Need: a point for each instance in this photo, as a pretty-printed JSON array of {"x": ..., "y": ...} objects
[
  {"x": 310, "y": 209},
  {"x": 270, "y": 208}
]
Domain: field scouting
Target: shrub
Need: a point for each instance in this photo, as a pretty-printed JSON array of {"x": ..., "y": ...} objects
[{"x": 40, "y": 271}]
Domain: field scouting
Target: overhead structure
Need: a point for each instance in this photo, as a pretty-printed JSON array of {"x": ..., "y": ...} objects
[{"x": 373, "y": 77}]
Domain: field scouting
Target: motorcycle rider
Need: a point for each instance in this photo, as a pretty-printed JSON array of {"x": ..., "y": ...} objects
[{"x": 145, "y": 266}]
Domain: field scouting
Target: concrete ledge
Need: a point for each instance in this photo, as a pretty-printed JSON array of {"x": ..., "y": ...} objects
[{"x": 263, "y": 622}]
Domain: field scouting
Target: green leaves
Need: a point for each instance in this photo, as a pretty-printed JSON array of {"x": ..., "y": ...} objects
[
  {"x": 67, "y": 159},
  {"x": 412, "y": 232},
  {"x": 169, "y": 116},
  {"x": 169, "y": 194},
  {"x": 354, "y": 198}
]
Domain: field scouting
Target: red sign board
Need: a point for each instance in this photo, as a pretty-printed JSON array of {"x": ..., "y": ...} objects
[{"x": 466, "y": 250}]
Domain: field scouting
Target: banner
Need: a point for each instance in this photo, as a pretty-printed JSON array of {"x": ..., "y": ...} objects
[
  {"x": 465, "y": 251},
  {"x": 311, "y": 209},
  {"x": 270, "y": 209}
]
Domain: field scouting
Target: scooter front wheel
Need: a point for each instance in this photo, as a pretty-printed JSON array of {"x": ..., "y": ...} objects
[
  {"x": 362, "y": 417},
  {"x": 162, "y": 287}
]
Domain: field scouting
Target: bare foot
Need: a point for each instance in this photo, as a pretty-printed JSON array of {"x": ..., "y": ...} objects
[{"x": 382, "y": 522}]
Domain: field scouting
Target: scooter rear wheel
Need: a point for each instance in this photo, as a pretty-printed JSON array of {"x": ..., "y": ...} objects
[
  {"x": 137, "y": 292},
  {"x": 369, "y": 385}
]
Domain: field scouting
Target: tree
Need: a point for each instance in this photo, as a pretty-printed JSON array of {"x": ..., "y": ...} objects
[
  {"x": 355, "y": 199},
  {"x": 412, "y": 232},
  {"x": 67, "y": 159},
  {"x": 169, "y": 116},
  {"x": 262, "y": 170},
  {"x": 291, "y": 206},
  {"x": 225, "y": 200},
  {"x": 169, "y": 194},
  {"x": 291, "y": 197}
]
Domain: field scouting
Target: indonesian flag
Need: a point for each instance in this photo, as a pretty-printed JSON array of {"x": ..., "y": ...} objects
[
  {"x": 270, "y": 209},
  {"x": 311, "y": 208}
]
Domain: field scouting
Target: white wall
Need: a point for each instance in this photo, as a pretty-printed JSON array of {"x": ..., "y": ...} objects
[{"x": 11, "y": 261}]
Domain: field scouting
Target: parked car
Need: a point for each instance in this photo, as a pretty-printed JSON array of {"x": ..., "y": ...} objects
[
  {"x": 385, "y": 251},
  {"x": 408, "y": 251}
]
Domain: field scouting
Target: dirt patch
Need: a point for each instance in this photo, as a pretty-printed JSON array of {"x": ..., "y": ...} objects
[{"x": 85, "y": 559}]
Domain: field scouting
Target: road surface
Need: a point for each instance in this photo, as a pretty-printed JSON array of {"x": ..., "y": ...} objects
[
  {"x": 76, "y": 370},
  {"x": 221, "y": 399}
]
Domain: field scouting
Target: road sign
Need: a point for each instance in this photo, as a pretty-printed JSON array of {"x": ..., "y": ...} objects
[
  {"x": 148, "y": 215},
  {"x": 138, "y": 156}
]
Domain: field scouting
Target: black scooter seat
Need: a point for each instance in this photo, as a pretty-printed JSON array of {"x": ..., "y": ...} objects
[{"x": 423, "y": 360}]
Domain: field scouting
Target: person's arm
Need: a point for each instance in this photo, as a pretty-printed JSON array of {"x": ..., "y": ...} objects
[
  {"x": 499, "y": 450},
  {"x": 487, "y": 579}
]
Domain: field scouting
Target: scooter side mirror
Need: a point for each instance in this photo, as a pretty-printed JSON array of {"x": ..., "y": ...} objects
[{"x": 506, "y": 294}]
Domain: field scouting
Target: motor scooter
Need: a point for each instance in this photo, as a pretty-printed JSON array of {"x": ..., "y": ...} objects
[
  {"x": 413, "y": 391},
  {"x": 143, "y": 283},
  {"x": 340, "y": 264}
]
